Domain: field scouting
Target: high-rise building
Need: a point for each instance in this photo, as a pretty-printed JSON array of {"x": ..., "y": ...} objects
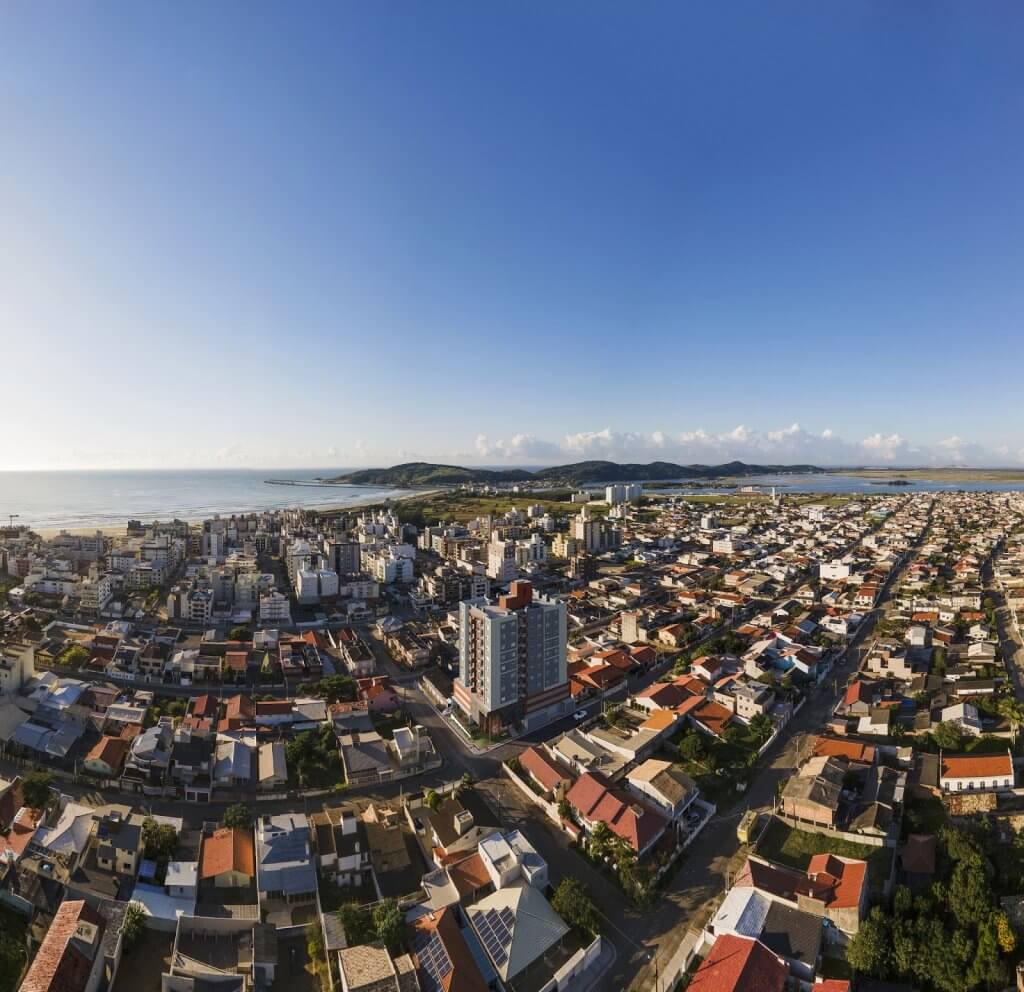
[
  {"x": 512, "y": 665},
  {"x": 501, "y": 561}
]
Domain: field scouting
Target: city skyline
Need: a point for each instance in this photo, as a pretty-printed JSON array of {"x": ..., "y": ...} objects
[{"x": 511, "y": 236}]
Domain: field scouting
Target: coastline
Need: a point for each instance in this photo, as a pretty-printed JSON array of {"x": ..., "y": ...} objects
[{"x": 363, "y": 502}]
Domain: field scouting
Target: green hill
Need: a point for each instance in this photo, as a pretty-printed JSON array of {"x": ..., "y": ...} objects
[{"x": 578, "y": 473}]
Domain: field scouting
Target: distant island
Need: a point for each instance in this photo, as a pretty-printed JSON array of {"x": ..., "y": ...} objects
[{"x": 576, "y": 474}]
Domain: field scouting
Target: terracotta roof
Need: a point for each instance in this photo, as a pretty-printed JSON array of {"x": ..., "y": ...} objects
[
  {"x": 469, "y": 875},
  {"x": 832, "y": 747},
  {"x": 713, "y": 715},
  {"x": 237, "y": 661},
  {"x": 543, "y": 768},
  {"x": 980, "y": 766},
  {"x": 846, "y": 877},
  {"x": 229, "y": 849},
  {"x": 587, "y": 792},
  {"x": 739, "y": 964},
  {"x": 205, "y": 705},
  {"x": 239, "y": 707},
  {"x": 859, "y": 691},
  {"x": 660, "y": 720},
  {"x": 667, "y": 695},
  {"x": 110, "y": 750},
  {"x": 689, "y": 705},
  {"x": 61, "y": 964}
]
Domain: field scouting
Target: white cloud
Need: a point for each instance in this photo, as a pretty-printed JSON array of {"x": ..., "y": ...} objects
[{"x": 782, "y": 446}]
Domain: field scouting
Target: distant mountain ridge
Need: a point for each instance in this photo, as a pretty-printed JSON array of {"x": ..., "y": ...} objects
[{"x": 577, "y": 473}]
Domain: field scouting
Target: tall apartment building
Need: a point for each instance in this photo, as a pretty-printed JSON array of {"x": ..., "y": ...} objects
[
  {"x": 501, "y": 561},
  {"x": 594, "y": 534},
  {"x": 512, "y": 665},
  {"x": 623, "y": 493}
]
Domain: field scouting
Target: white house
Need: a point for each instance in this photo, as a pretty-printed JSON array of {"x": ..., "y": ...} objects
[{"x": 961, "y": 773}]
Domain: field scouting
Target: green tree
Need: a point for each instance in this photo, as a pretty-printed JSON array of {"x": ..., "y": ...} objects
[
  {"x": 600, "y": 841},
  {"x": 432, "y": 799},
  {"x": 948, "y": 736},
  {"x": 36, "y": 789},
  {"x": 571, "y": 900},
  {"x": 314, "y": 941},
  {"x": 160, "y": 839},
  {"x": 240, "y": 633},
  {"x": 238, "y": 815},
  {"x": 357, "y": 924},
  {"x": 75, "y": 656},
  {"x": 564, "y": 809},
  {"x": 986, "y": 967},
  {"x": 761, "y": 726},
  {"x": 868, "y": 951},
  {"x": 691, "y": 747},
  {"x": 335, "y": 689},
  {"x": 132, "y": 925},
  {"x": 388, "y": 923}
]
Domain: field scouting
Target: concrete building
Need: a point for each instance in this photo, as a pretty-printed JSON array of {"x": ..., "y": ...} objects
[{"x": 512, "y": 660}]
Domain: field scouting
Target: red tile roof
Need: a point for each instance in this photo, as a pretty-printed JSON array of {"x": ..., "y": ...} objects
[
  {"x": 712, "y": 715},
  {"x": 667, "y": 695},
  {"x": 205, "y": 705},
  {"x": 739, "y": 964},
  {"x": 60, "y": 964},
  {"x": 587, "y": 792},
  {"x": 111, "y": 751},
  {"x": 846, "y": 877},
  {"x": 469, "y": 875},
  {"x": 229, "y": 849},
  {"x": 980, "y": 766},
  {"x": 543, "y": 768}
]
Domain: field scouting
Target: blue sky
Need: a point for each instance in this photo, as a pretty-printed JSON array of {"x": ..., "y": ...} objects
[{"x": 268, "y": 234}]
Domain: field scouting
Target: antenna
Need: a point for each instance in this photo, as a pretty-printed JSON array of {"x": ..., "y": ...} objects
[{"x": 11, "y": 517}]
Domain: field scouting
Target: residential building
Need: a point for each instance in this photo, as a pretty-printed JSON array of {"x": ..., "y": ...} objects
[{"x": 512, "y": 660}]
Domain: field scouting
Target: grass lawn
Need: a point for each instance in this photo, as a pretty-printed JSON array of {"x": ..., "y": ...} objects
[
  {"x": 795, "y": 848},
  {"x": 12, "y": 948}
]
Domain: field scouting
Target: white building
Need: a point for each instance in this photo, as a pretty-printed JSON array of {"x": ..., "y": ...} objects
[
  {"x": 501, "y": 561},
  {"x": 275, "y": 609},
  {"x": 963, "y": 773},
  {"x": 512, "y": 660},
  {"x": 623, "y": 493}
]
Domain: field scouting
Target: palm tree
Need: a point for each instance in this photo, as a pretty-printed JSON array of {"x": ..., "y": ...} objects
[
  {"x": 1013, "y": 710},
  {"x": 601, "y": 841}
]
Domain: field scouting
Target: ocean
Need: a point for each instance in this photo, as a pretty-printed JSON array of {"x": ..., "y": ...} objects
[{"x": 108, "y": 499}]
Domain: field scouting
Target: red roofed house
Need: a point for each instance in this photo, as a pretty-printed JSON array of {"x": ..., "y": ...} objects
[
  {"x": 662, "y": 696},
  {"x": 959, "y": 773},
  {"x": 107, "y": 757},
  {"x": 229, "y": 858},
  {"x": 710, "y": 717},
  {"x": 71, "y": 957},
  {"x": 378, "y": 694},
  {"x": 624, "y": 815},
  {"x": 832, "y": 887},
  {"x": 548, "y": 773},
  {"x": 739, "y": 964}
]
